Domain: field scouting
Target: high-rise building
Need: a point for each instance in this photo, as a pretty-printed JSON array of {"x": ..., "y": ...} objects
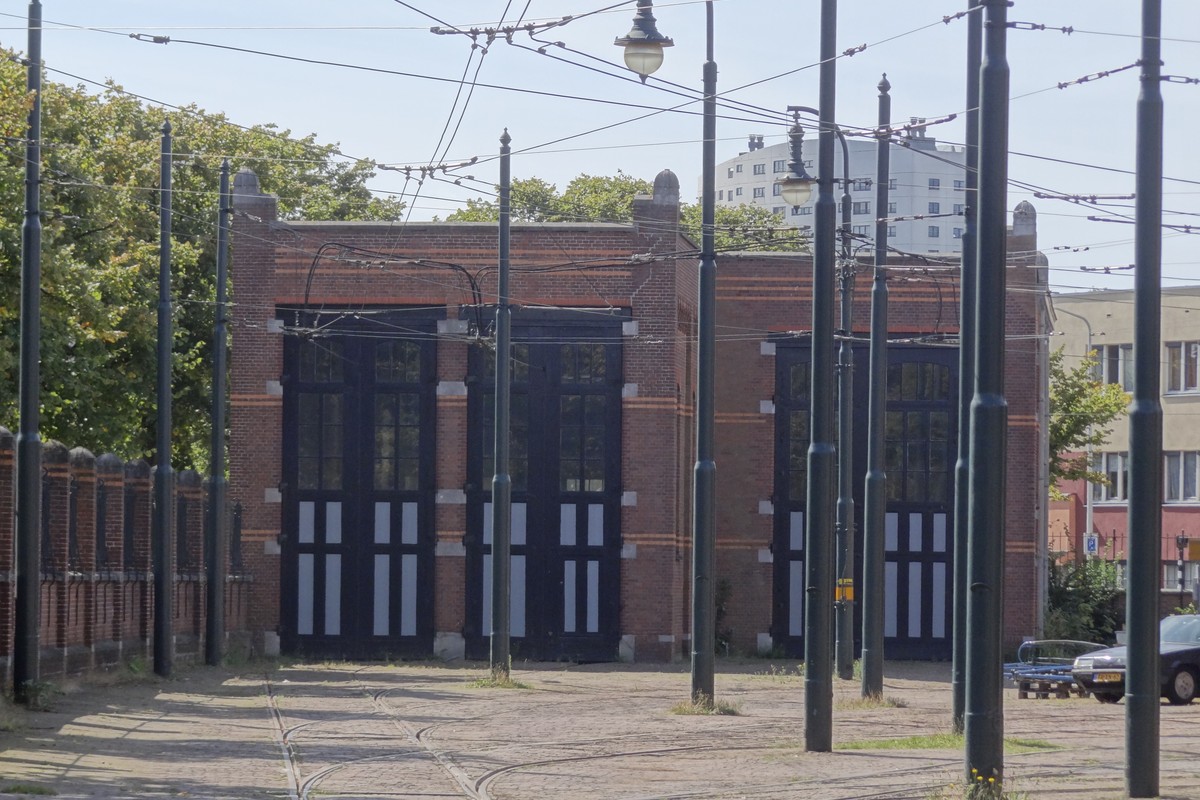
[{"x": 926, "y": 199}]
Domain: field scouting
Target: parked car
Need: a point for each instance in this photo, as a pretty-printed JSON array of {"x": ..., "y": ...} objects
[{"x": 1103, "y": 671}]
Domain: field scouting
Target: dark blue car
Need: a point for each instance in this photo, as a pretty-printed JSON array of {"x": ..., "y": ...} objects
[{"x": 1103, "y": 672}]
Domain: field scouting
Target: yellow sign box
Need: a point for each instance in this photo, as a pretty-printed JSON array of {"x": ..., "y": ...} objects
[{"x": 1193, "y": 550}]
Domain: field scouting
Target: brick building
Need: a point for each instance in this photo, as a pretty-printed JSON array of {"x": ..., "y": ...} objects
[{"x": 362, "y": 430}]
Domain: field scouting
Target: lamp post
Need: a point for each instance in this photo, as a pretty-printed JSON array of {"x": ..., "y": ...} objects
[
  {"x": 501, "y": 637},
  {"x": 1089, "y": 512},
  {"x": 643, "y": 54},
  {"x": 1181, "y": 543}
]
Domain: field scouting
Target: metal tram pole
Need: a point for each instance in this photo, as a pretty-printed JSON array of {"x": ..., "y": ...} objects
[
  {"x": 822, "y": 454},
  {"x": 164, "y": 562},
  {"x": 26, "y": 641},
  {"x": 1145, "y": 429},
  {"x": 217, "y": 548},
  {"x": 844, "y": 591},
  {"x": 984, "y": 713},
  {"x": 875, "y": 489},
  {"x": 499, "y": 656},
  {"x": 705, "y": 474},
  {"x": 966, "y": 370}
]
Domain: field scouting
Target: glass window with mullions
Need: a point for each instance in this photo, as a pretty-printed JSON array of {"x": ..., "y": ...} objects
[
  {"x": 518, "y": 441},
  {"x": 321, "y": 361},
  {"x": 1183, "y": 358},
  {"x": 798, "y": 431},
  {"x": 1115, "y": 467},
  {"x": 398, "y": 362},
  {"x": 397, "y": 441},
  {"x": 319, "y": 445},
  {"x": 1179, "y": 472},
  {"x": 581, "y": 442}
]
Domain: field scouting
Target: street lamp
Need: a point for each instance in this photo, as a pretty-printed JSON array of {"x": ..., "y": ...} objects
[
  {"x": 644, "y": 44},
  {"x": 642, "y": 40},
  {"x": 797, "y": 187}
]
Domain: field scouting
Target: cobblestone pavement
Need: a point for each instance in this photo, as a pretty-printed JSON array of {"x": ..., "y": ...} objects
[{"x": 580, "y": 732}]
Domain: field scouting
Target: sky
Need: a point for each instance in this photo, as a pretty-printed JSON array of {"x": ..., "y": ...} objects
[{"x": 574, "y": 109}]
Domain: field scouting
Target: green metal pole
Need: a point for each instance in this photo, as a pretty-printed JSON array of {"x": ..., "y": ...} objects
[
  {"x": 26, "y": 641},
  {"x": 822, "y": 454},
  {"x": 966, "y": 370},
  {"x": 984, "y": 717},
  {"x": 844, "y": 592},
  {"x": 1145, "y": 430},
  {"x": 704, "y": 639},
  {"x": 164, "y": 562},
  {"x": 501, "y": 480},
  {"x": 218, "y": 545},
  {"x": 875, "y": 490}
]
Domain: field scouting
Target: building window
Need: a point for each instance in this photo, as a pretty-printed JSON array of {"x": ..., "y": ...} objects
[
  {"x": 1180, "y": 474},
  {"x": 935, "y": 183},
  {"x": 760, "y": 191},
  {"x": 935, "y": 208},
  {"x": 918, "y": 435},
  {"x": 892, "y": 184},
  {"x": 808, "y": 164},
  {"x": 860, "y": 230},
  {"x": 960, "y": 185},
  {"x": 801, "y": 211},
  {"x": 959, "y": 208},
  {"x": 1116, "y": 467},
  {"x": 730, "y": 173},
  {"x": 958, "y": 233},
  {"x": 720, "y": 194},
  {"x": 1182, "y": 359},
  {"x": 779, "y": 166},
  {"x": 860, "y": 184},
  {"x": 779, "y": 211},
  {"x": 737, "y": 168},
  {"x": 760, "y": 169},
  {"x": 861, "y": 208},
  {"x": 738, "y": 191},
  {"x": 891, "y": 231},
  {"x": 776, "y": 189},
  {"x": 1116, "y": 365},
  {"x": 934, "y": 231},
  {"x": 891, "y": 208}
]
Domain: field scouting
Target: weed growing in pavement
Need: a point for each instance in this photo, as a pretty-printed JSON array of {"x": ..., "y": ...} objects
[
  {"x": 782, "y": 674},
  {"x": 942, "y": 741},
  {"x": 27, "y": 789},
  {"x": 872, "y": 701},
  {"x": 700, "y": 705},
  {"x": 39, "y": 695},
  {"x": 980, "y": 791},
  {"x": 498, "y": 682}
]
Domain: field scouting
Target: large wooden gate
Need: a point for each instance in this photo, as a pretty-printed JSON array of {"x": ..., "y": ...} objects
[
  {"x": 358, "y": 449},
  {"x": 920, "y": 448},
  {"x": 566, "y": 473}
]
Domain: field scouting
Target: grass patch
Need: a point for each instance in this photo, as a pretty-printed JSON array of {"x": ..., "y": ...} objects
[
  {"x": 979, "y": 791},
  {"x": 27, "y": 789},
  {"x": 782, "y": 674},
  {"x": 871, "y": 702},
  {"x": 702, "y": 706},
  {"x": 498, "y": 682},
  {"x": 942, "y": 741}
]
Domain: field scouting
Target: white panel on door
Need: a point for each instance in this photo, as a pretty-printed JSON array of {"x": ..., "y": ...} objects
[
  {"x": 382, "y": 590},
  {"x": 593, "y": 596},
  {"x": 595, "y": 531},
  {"x": 796, "y": 530},
  {"x": 938, "y": 601},
  {"x": 796, "y": 598},
  {"x": 568, "y": 597},
  {"x": 516, "y": 604},
  {"x": 566, "y": 525},
  {"x": 939, "y": 533},
  {"x": 914, "y": 601},
  {"x": 518, "y": 523},
  {"x": 408, "y": 523},
  {"x": 915, "y": 524},
  {"x": 333, "y": 523},
  {"x": 383, "y": 523},
  {"x": 891, "y": 531},
  {"x": 308, "y": 516},
  {"x": 304, "y": 595},
  {"x": 333, "y": 594},
  {"x": 891, "y": 595},
  {"x": 408, "y": 594}
]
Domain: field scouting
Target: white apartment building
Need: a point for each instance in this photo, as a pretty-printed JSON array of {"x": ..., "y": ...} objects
[{"x": 926, "y": 194}]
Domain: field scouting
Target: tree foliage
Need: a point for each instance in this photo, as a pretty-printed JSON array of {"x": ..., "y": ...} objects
[
  {"x": 99, "y": 199},
  {"x": 593, "y": 198},
  {"x": 1084, "y": 601},
  {"x": 1082, "y": 410}
]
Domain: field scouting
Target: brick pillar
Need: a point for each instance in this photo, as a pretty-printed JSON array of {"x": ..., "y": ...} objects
[
  {"x": 110, "y": 553},
  {"x": 81, "y": 643},
  {"x": 189, "y": 583},
  {"x": 139, "y": 588},
  {"x": 56, "y": 493}
]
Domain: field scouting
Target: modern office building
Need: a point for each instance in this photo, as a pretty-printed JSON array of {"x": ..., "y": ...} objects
[
  {"x": 1102, "y": 321},
  {"x": 926, "y": 192}
]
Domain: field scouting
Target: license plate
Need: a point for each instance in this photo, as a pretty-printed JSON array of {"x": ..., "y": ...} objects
[{"x": 1108, "y": 677}]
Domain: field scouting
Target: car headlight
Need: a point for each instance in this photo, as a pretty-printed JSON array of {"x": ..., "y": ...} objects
[{"x": 1083, "y": 662}]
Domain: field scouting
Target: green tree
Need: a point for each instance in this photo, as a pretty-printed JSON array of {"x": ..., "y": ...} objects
[
  {"x": 597, "y": 198},
  {"x": 1082, "y": 410},
  {"x": 100, "y": 253}
]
